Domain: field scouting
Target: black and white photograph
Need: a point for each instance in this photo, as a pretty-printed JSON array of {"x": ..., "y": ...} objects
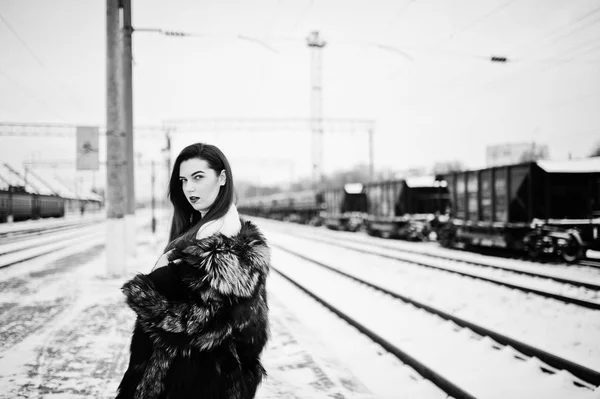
[{"x": 300, "y": 199}]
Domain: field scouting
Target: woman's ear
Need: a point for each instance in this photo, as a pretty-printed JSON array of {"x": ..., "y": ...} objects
[{"x": 222, "y": 178}]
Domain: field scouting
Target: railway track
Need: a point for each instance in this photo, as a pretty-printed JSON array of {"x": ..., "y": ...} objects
[
  {"x": 45, "y": 239},
  {"x": 439, "y": 262},
  {"x": 442, "y": 348},
  {"x": 11, "y": 236},
  {"x": 479, "y": 256},
  {"x": 590, "y": 263},
  {"x": 53, "y": 241}
]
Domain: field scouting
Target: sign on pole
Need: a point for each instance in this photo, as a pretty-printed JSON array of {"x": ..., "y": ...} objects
[{"x": 87, "y": 147}]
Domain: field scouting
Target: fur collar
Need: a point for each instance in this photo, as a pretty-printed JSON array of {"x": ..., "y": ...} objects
[
  {"x": 215, "y": 270},
  {"x": 229, "y": 265},
  {"x": 229, "y": 225}
]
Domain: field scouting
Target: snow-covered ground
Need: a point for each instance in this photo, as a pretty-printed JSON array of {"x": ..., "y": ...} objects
[
  {"x": 65, "y": 331},
  {"x": 579, "y": 272},
  {"x": 472, "y": 362},
  {"x": 568, "y": 331},
  {"x": 51, "y": 222},
  {"x": 572, "y": 290}
]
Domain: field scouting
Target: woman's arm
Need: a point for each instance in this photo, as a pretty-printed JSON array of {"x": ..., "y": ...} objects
[
  {"x": 157, "y": 312},
  {"x": 188, "y": 322}
]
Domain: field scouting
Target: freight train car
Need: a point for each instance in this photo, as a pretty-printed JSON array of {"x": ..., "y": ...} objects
[
  {"x": 16, "y": 202},
  {"x": 345, "y": 208},
  {"x": 550, "y": 208},
  {"x": 23, "y": 205},
  {"x": 48, "y": 206},
  {"x": 301, "y": 207},
  {"x": 411, "y": 209}
]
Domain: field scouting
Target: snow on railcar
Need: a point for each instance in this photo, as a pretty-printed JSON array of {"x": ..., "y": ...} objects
[
  {"x": 410, "y": 208},
  {"x": 345, "y": 208}
]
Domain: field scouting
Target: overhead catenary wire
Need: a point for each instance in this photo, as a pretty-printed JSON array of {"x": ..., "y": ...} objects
[
  {"x": 178, "y": 33},
  {"x": 397, "y": 15},
  {"x": 41, "y": 63},
  {"x": 514, "y": 56},
  {"x": 303, "y": 15},
  {"x": 529, "y": 62},
  {"x": 476, "y": 22},
  {"x": 408, "y": 54},
  {"x": 558, "y": 33},
  {"x": 23, "y": 42},
  {"x": 470, "y": 25},
  {"x": 273, "y": 19},
  {"x": 31, "y": 96}
]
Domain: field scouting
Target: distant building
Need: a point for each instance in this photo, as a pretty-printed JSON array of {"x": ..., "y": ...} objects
[{"x": 511, "y": 153}]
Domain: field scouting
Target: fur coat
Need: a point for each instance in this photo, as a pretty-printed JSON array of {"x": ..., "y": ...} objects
[{"x": 201, "y": 322}]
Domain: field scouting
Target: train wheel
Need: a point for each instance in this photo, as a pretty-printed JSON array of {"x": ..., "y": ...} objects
[{"x": 572, "y": 252}]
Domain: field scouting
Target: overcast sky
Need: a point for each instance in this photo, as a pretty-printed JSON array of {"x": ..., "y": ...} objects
[{"x": 419, "y": 69}]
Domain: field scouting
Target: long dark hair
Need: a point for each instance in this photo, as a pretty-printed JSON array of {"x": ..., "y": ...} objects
[{"x": 186, "y": 220}]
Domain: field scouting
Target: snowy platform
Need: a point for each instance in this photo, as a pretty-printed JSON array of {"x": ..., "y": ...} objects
[{"x": 65, "y": 332}]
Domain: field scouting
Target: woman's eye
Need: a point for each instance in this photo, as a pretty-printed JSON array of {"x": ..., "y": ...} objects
[{"x": 198, "y": 177}]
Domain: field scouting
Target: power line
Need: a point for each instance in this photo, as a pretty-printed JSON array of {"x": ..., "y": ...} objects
[
  {"x": 382, "y": 46},
  {"x": 303, "y": 15},
  {"x": 394, "y": 50},
  {"x": 40, "y": 62},
  {"x": 554, "y": 62},
  {"x": 482, "y": 18},
  {"x": 529, "y": 61},
  {"x": 14, "y": 32},
  {"x": 473, "y": 23},
  {"x": 178, "y": 33},
  {"x": 259, "y": 42},
  {"x": 552, "y": 35},
  {"x": 269, "y": 27},
  {"x": 31, "y": 96},
  {"x": 397, "y": 15},
  {"x": 577, "y": 29},
  {"x": 592, "y": 49}
]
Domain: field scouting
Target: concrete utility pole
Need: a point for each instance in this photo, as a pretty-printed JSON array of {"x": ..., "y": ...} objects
[
  {"x": 116, "y": 178},
  {"x": 315, "y": 44},
  {"x": 128, "y": 120}
]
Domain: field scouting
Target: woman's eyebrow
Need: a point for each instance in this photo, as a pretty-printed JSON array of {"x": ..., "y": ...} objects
[{"x": 193, "y": 174}]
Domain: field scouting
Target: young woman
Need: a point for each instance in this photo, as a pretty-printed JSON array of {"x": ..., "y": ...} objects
[{"x": 202, "y": 312}]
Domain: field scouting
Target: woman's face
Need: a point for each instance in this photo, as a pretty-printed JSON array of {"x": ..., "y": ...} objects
[{"x": 200, "y": 183}]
